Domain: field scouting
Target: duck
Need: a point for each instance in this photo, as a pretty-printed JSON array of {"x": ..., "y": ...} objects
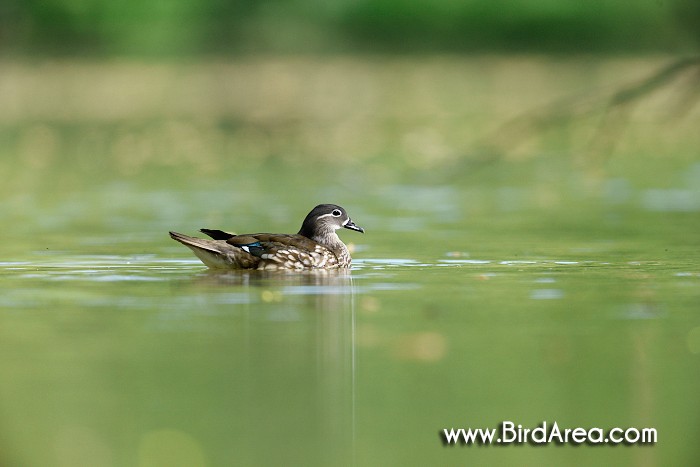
[{"x": 315, "y": 246}]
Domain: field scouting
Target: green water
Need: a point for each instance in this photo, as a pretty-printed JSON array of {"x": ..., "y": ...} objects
[
  {"x": 518, "y": 291},
  {"x": 122, "y": 349}
]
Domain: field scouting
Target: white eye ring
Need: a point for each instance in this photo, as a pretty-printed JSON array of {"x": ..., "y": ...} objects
[{"x": 336, "y": 213}]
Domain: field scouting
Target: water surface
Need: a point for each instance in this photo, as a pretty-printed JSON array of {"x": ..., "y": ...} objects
[
  {"x": 529, "y": 288},
  {"x": 122, "y": 358}
]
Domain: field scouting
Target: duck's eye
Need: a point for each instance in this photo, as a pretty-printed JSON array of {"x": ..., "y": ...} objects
[{"x": 336, "y": 213}]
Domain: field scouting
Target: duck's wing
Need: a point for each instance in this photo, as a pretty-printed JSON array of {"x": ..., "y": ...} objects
[
  {"x": 218, "y": 254},
  {"x": 217, "y": 234},
  {"x": 285, "y": 251}
]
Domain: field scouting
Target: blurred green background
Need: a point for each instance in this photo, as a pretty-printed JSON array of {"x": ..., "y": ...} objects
[
  {"x": 528, "y": 174},
  {"x": 191, "y": 28}
]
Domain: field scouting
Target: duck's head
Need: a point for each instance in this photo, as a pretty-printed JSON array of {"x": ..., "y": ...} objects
[{"x": 325, "y": 219}]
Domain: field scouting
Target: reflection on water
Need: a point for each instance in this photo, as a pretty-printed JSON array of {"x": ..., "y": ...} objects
[
  {"x": 254, "y": 357},
  {"x": 144, "y": 358}
]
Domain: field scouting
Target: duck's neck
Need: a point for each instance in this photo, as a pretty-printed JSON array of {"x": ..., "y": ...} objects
[{"x": 326, "y": 237}]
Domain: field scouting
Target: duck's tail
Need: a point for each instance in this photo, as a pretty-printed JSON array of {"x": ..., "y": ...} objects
[{"x": 217, "y": 254}]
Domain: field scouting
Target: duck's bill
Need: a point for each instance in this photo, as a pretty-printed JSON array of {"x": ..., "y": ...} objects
[{"x": 351, "y": 225}]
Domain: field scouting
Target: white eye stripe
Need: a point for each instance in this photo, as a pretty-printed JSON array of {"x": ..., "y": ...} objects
[{"x": 330, "y": 214}]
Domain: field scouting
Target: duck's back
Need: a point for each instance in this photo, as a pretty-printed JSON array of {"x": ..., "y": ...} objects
[{"x": 283, "y": 251}]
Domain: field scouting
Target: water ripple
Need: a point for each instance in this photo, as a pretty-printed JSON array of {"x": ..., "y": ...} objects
[{"x": 151, "y": 268}]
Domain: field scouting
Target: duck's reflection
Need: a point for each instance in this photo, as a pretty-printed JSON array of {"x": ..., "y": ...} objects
[
  {"x": 321, "y": 277},
  {"x": 297, "y": 349}
]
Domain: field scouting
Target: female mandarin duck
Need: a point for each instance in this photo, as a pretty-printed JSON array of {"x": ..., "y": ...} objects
[{"x": 316, "y": 246}]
